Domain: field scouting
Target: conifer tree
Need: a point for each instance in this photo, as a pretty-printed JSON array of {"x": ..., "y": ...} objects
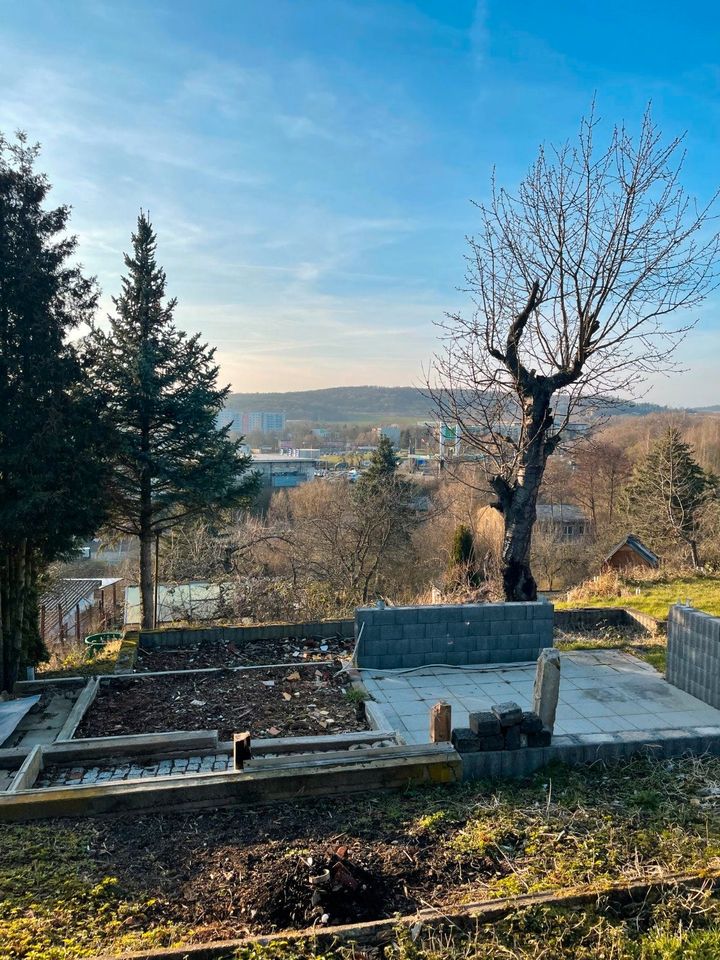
[
  {"x": 171, "y": 461},
  {"x": 382, "y": 469},
  {"x": 51, "y": 442},
  {"x": 666, "y": 494}
]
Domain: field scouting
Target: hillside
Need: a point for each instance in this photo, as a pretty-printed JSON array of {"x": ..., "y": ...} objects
[
  {"x": 366, "y": 404},
  {"x": 339, "y": 404}
]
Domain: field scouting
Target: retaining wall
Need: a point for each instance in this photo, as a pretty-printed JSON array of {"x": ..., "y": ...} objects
[
  {"x": 180, "y": 638},
  {"x": 456, "y": 634},
  {"x": 693, "y": 653},
  {"x": 594, "y": 618}
]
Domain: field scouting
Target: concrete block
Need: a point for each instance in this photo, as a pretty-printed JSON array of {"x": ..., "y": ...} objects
[
  {"x": 484, "y": 724},
  {"x": 391, "y": 632},
  {"x": 408, "y": 615},
  {"x": 539, "y": 738},
  {"x": 489, "y": 743},
  {"x": 498, "y": 628},
  {"x": 516, "y": 611},
  {"x": 478, "y": 613},
  {"x": 413, "y": 631},
  {"x": 530, "y": 723},
  {"x": 456, "y": 659},
  {"x": 464, "y": 740},
  {"x": 413, "y": 660},
  {"x": 512, "y": 738},
  {"x": 509, "y": 714}
]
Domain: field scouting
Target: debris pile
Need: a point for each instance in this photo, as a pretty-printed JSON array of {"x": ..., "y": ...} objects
[
  {"x": 330, "y": 889},
  {"x": 504, "y": 727}
]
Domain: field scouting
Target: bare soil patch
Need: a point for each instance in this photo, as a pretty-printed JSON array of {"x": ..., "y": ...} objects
[
  {"x": 229, "y": 873},
  {"x": 207, "y": 654},
  {"x": 287, "y": 701}
]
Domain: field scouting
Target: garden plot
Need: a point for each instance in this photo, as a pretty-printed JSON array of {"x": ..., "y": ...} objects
[
  {"x": 228, "y": 654},
  {"x": 288, "y": 701}
]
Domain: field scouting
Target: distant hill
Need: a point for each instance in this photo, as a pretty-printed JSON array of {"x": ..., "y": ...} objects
[
  {"x": 339, "y": 404},
  {"x": 367, "y": 405}
]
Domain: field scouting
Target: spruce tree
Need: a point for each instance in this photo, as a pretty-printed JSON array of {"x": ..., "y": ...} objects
[
  {"x": 382, "y": 469},
  {"x": 666, "y": 494},
  {"x": 171, "y": 461},
  {"x": 51, "y": 441}
]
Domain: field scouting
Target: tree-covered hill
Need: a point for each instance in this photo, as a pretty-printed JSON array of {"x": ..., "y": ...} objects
[
  {"x": 339, "y": 404},
  {"x": 364, "y": 404}
]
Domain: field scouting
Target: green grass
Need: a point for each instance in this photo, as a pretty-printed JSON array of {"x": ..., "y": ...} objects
[
  {"x": 75, "y": 664},
  {"x": 653, "y": 597},
  {"x": 676, "y": 928},
  {"x": 64, "y": 894},
  {"x": 651, "y": 649}
]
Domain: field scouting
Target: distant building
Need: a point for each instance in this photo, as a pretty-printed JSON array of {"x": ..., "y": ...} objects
[
  {"x": 259, "y": 422},
  {"x": 562, "y": 520},
  {"x": 392, "y": 433},
  {"x": 280, "y": 470},
  {"x": 630, "y": 552}
]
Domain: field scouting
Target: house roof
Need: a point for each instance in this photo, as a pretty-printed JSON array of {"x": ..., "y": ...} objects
[
  {"x": 637, "y": 546},
  {"x": 559, "y": 511}
]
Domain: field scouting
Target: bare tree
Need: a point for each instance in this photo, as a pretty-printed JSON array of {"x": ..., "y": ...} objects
[{"x": 574, "y": 279}]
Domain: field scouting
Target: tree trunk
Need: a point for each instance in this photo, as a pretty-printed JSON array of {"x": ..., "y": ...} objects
[
  {"x": 12, "y": 597},
  {"x": 518, "y": 581},
  {"x": 694, "y": 555},
  {"x": 518, "y": 501},
  {"x": 146, "y": 579}
]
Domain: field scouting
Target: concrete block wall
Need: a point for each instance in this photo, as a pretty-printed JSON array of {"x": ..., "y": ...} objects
[
  {"x": 182, "y": 638},
  {"x": 456, "y": 634},
  {"x": 693, "y": 653}
]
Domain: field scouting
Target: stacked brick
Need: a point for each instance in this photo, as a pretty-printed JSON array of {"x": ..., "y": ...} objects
[
  {"x": 693, "y": 653},
  {"x": 504, "y": 727},
  {"x": 394, "y": 638}
]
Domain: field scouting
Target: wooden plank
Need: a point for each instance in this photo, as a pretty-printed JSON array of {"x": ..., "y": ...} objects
[
  {"x": 334, "y": 757},
  {"x": 37, "y": 686},
  {"x": 197, "y": 791},
  {"x": 331, "y": 741},
  {"x": 12, "y": 757},
  {"x": 82, "y": 704},
  {"x": 135, "y": 745},
  {"x": 27, "y": 774}
]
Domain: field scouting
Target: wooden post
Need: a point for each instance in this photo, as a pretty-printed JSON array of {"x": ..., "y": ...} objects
[
  {"x": 61, "y": 624},
  {"x": 440, "y": 722},
  {"x": 77, "y": 622},
  {"x": 241, "y": 749},
  {"x": 42, "y": 623}
]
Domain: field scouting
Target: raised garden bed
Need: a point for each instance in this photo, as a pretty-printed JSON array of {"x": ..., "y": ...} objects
[
  {"x": 222, "y": 654},
  {"x": 273, "y": 702}
]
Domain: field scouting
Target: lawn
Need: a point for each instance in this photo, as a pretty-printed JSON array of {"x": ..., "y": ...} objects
[
  {"x": 74, "y": 888},
  {"x": 654, "y": 597}
]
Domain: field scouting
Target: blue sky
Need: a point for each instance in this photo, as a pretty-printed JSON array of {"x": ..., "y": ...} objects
[{"x": 309, "y": 164}]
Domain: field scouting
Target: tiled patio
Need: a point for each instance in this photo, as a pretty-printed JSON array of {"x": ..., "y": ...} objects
[{"x": 603, "y": 691}]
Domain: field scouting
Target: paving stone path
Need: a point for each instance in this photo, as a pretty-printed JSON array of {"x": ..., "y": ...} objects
[{"x": 72, "y": 775}]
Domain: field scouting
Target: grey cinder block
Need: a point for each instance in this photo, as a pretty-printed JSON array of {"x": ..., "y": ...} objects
[{"x": 484, "y": 724}]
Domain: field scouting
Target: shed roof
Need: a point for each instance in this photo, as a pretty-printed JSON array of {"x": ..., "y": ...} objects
[{"x": 637, "y": 546}]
